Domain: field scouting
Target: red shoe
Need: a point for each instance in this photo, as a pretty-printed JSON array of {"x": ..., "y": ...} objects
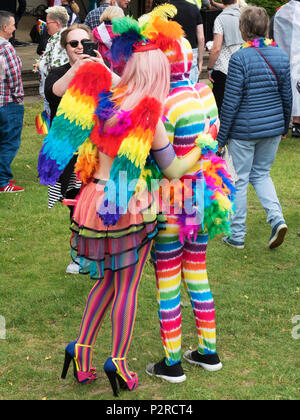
[{"x": 11, "y": 188}]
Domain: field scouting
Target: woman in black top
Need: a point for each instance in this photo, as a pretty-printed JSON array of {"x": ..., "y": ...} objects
[
  {"x": 58, "y": 79},
  {"x": 56, "y": 84}
]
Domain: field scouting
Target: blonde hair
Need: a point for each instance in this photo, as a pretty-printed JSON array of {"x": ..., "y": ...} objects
[
  {"x": 74, "y": 7},
  {"x": 146, "y": 73},
  {"x": 254, "y": 23},
  {"x": 110, "y": 13},
  {"x": 58, "y": 13}
]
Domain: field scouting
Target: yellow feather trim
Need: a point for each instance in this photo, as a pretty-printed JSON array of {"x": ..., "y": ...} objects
[
  {"x": 136, "y": 146},
  {"x": 78, "y": 108},
  {"x": 164, "y": 11}
]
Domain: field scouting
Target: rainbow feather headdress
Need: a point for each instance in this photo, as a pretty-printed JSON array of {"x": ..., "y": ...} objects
[{"x": 152, "y": 31}]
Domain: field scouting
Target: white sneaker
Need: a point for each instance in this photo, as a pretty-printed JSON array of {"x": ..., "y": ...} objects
[{"x": 72, "y": 268}]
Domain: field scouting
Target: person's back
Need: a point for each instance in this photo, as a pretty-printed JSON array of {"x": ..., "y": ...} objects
[
  {"x": 188, "y": 17},
  {"x": 258, "y": 107},
  {"x": 184, "y": 128},
  {"x": 11, "y": 6},
  {"x": 93, "y": 17}
]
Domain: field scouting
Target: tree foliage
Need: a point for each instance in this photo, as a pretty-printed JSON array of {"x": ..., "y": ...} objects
[{"x": 269, "y": 5}]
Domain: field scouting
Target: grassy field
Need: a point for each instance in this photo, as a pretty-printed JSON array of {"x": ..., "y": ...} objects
[{"x": 256, "y": 292}]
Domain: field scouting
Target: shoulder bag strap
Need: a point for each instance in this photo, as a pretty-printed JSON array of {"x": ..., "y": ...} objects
[{"x": 267, "y": 63}]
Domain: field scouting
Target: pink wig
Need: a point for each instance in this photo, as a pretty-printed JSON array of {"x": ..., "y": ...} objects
[{"x": 147, "y": 73}]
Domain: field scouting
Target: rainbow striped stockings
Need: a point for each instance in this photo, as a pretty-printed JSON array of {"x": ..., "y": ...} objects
[{"x": 120, "y": 291}]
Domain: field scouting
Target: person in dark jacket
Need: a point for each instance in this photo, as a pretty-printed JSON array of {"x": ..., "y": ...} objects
[
  {"x": 255, "y": 115},
  {"x": 73, "y": 11},
  {"x": 17, "y": 8},
  {"x": 11, "y": 6}
]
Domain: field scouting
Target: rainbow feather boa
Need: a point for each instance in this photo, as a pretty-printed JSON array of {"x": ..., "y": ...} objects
[
  {"x": 215, "y": 193},
  {"x": 260, "y": 42}
]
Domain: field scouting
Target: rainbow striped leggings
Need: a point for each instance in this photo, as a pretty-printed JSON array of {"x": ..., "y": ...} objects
[{"x": 174, "y": 261}]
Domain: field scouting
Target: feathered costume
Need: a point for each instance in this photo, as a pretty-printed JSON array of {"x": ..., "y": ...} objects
[{"x": 79, "y": 128}]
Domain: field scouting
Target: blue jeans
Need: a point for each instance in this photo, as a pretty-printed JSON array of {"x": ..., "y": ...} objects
[
  {"x": 252, "y": 160},
  {"x": 11, "y": 123}
]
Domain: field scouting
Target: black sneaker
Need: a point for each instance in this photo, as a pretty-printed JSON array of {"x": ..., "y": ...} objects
[
  {"x": 277, "y": 235},
  {"x": 173, "y": 374},
  {"x": 210, "y": 362},
  {"x": 296, "y": 130}
]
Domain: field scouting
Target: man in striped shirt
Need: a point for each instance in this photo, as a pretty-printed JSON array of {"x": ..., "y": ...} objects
[{"x": 11, "y": 103}]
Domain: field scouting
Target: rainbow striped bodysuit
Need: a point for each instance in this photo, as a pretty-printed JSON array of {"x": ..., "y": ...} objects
[{"x": 187, "y": 108}]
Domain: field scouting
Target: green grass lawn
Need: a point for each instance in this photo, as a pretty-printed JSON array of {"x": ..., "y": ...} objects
[{"x": 256, "y": 292}]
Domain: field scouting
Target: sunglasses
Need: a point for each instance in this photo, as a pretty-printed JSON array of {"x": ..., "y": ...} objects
[{"x": 75, "y": 44}]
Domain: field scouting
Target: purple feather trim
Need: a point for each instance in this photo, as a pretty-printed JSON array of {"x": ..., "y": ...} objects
[
  {"x": 48, "y": 170},
  {"x": 122, "y": 46},
  {"x": 109, "y": 218},
  {"x": 123, "y": 124},
  {"x": 188, "y": 231}
]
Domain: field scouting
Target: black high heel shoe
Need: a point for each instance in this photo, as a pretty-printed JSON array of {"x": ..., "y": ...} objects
[
  {"x": 71, "y": 355},
  {"x": 114, "y": 375}
]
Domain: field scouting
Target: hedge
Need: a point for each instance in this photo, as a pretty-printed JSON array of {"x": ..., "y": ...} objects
[{"x": 269, "y": 5}]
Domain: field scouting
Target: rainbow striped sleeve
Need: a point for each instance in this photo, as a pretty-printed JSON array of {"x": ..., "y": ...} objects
[{"x": 74, "y": 121}]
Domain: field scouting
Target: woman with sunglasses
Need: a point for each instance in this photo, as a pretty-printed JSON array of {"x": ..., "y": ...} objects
[
  {"x": 71, "y": 41},
  {"x": 57, "y": 82}
]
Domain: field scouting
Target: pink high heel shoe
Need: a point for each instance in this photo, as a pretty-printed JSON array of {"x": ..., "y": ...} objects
[
  {"x": 113, "y": 373},
  {"x": 71, "y": 355}
]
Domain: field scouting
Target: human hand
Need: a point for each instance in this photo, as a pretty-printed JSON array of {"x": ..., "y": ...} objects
[
  {"x": 98, "y": 58},
  {"x": 209, "y": 76},
  {"x": 220, "y": 152},
  {"x": 83, "y": 58}
]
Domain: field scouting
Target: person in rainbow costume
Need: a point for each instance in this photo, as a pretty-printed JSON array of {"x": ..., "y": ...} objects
[
  {"x": 113, "y": 123},
  {"x": 180, "y": 247}
]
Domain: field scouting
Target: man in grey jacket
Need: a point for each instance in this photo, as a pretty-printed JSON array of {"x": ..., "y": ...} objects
[{"x": 227, "y": 40}]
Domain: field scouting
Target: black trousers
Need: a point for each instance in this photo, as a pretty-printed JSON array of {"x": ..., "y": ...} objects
[{"x": 219, "y": 87}]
